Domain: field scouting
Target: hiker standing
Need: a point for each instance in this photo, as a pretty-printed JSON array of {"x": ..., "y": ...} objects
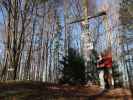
[{"x": 105, "y": 70}]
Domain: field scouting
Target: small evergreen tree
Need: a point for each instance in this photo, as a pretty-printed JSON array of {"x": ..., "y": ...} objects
[{"x": 73, "y": 71}]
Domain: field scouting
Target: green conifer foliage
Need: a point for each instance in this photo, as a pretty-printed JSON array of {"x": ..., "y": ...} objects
[{"x": 73, "y": 71}]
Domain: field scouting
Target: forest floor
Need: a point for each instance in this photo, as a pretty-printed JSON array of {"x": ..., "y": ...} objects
[{"x": 29, "y": 90}]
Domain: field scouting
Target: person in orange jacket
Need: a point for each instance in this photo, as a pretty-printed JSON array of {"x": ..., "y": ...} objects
[{"x": 105, "y": 70}]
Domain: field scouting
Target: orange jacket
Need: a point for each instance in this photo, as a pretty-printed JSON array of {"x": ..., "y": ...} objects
[{"x": 105, "y": 62}]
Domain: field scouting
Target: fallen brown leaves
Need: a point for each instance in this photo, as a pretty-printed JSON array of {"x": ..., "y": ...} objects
[{"x": 67, "y": 90}]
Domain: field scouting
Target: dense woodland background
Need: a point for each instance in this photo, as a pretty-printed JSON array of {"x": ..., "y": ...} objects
[{"x": 40, "y": 44}]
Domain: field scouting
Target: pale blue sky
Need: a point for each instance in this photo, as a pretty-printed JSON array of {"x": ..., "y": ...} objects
[{"x": 1, "y": 17}]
